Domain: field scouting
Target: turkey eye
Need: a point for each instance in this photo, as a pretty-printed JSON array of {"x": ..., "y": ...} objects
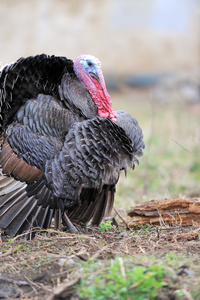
[{"x": 89, "y": 64}]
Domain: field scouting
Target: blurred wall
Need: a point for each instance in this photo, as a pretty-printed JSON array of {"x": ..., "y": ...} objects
[{"x": 126, "y": 35}]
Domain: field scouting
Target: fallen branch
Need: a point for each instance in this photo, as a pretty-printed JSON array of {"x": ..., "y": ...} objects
[
  {"x": 171, "y": 212},
  {"x": 186, "y": 236}
]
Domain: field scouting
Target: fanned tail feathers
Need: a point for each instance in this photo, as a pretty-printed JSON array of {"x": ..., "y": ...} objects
[{"x": 20, "y": 212}]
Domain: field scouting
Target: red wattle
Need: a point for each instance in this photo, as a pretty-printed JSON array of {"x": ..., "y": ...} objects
[{"x": 97, "y": 89}]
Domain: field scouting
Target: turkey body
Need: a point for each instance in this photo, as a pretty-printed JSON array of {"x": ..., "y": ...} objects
[{"x": 60, "y": 157}]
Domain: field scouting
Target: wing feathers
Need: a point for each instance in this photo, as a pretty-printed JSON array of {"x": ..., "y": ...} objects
[
  {"x": 100, "y": 210},
  {"x": 18, "y": 168}
]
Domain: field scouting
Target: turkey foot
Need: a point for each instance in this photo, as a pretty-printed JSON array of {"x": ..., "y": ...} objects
[{"x": 70, "y": 226}]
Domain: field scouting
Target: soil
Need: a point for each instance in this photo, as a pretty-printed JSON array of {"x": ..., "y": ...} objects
[{"x": 49, "y": 265}]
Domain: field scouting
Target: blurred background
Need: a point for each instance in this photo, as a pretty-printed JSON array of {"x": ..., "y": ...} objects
[
  {"x": 126, "y": 35},
  {"x": 150, "y": 54}
]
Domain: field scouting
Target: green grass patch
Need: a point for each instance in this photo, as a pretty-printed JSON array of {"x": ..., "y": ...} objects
[
  {"x": 118, "y": 281},
  {"x": 106, "y": 226},
  {"x": 170, "y": 165}
]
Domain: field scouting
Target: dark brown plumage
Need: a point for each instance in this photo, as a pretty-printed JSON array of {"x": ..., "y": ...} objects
[{"x": 59, "y": 156}]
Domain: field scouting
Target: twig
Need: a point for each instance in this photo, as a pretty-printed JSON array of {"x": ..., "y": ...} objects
[
  {"x": 187, "y": 295},
  {"x": 122, "y": 268},
  {"x": 127, "y": 226},
  {"x": 126, "y": 249},
  {"x": 170, "y": 228},
  {"x": 51, "y": 231},
  {"x": 64, "y": 290},
  {"x": 18, "y": 282},
  {"x": 8, "y": 252},
  {"x": 181, "y": 221},
  {"x": 31, "y": 284},
  {"x": 97, "y": 253},
  {"x": 68, "y": 271},
  {"x": 185, "y": 149},
  {"x": 162, "y": 222},
  {"x": 142, "y": 250},
  {"x": 38, "y": 285},
  {"x": 158, "y": 233},
  {"x": 81, "y": 253},
  {"x": 44, "y": 230}
]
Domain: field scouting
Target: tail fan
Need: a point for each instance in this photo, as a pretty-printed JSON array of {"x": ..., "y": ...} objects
[{"x": 20, "y": 212}]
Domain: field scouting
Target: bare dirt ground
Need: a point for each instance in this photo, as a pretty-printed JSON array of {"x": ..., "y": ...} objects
[{"x": 49, "y": 266}]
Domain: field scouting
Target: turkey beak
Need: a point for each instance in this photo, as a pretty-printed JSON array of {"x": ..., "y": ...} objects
[{"x": 95, "y": 76}]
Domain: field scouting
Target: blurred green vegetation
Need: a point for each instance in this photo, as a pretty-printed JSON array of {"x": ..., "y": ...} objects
[
  {"x": 141, "y": 277},
  {"x": 170, "y": 165},
  {"x": 118, "y": 281}
]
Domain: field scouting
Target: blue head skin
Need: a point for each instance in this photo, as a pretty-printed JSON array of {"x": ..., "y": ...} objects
[
  {"x": 91, "y": 66},
  {"x": 88, "y": 69}
]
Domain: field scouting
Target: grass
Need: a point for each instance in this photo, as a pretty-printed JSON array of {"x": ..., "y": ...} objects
[
  {"x": 112, "y": 264},
  {"x": 170, "y": 166},
  {"x": 106, "y": 226},
  {"x": 117, "y": 281},
  {"x": 160, "y": 275}
]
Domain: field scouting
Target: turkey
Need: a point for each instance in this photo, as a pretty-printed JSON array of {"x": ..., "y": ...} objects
[{"x": 62, "y": 144}]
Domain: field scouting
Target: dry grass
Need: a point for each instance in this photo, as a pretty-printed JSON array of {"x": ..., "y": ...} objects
[{"x": 50, "y": 259}]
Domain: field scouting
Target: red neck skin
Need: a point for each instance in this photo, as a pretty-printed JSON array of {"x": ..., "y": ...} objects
[{"x": 98, "y": 91}]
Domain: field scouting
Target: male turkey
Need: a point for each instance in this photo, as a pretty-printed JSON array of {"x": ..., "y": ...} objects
[{"x": 62, "y": 144}]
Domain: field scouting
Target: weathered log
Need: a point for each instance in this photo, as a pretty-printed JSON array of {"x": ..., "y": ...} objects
[{"x": 172, "y": 212}]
